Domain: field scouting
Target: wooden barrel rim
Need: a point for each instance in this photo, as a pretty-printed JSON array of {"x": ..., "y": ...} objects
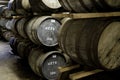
[
  {"x": 61, "y": 32},
  {"x": 21, "y": 26},
  {"x": 36, "y": 25},
  {"x": 29, "y": 28},
  {"x": 14, "y": 24}
]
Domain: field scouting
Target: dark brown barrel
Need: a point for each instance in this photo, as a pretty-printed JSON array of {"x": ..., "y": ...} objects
[
  {"x": 90, "y": 5},
  {"x": 13, "y": 24},
  {"x": 78, "y": 5},
  {"x": 23, "y": 48},
  {"x": 95, "y": 44},
  {"x": 4, "y": 2},
  {"x": 14, "y": 43},
  {"x": 1, "y": 9},
  {"x": 44, "y": 5},
  {"x": 22, "y": 6},
  {"x": 3, "y": 22},
  {"x": 7, "y": 35},
  {"x": 21, "y": 26},
  {"x": 8, "y": 25},
  {"x": 46, "y": 64},
  {"x": 107, "y": 5},
  {"x": 43, "y": 30}
]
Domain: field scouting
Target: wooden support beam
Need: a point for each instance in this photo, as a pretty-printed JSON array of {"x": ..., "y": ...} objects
[
  {"x": 83, "y": 74},
  {"x": 86, "y": 15},
  {"x": 65, "y": 69}
]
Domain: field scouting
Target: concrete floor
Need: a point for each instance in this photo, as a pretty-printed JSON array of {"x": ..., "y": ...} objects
[{"x": 12, "y": 67}]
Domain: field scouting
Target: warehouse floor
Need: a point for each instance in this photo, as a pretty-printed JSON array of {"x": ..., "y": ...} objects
[{"x": 14, "y": 68}]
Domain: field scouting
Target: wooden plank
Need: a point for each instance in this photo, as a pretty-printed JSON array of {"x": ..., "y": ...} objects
[
  {"x": 86, "y": 15},
  {"x": 83, "y": 74},
  {"x": 69, "y": 68},
  {"x": 65, "y": 71}
]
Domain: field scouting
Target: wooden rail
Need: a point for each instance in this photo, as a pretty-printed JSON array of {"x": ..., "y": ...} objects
[
  {"x": 82, "y": 74},
  {"x": 86, "y": 15},
  {"x": 76, "y": 75}
]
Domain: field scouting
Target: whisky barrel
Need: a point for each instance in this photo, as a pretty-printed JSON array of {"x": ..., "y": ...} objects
[
  {"x": 23, "y": 48},
  {"x": 1, "y": 9},
  {"x": 4, "y": 2},
  {"x": 90, "y": 5},
  {"x": 44, "y": 5},
  {"x": 14, "y": 43},
  {"x": 7, "y": 35},
  {"x": 3, "y": 22},
  {"x": 46, "y": 64},
  {"x": 43, "y": 30},
  {"x": 107, "y": 5},
  {"x": 22, "y": 6},
  {"x": 8, "y": 25},
  {"x": 13, "y": 24},
  {"x": 21, "y": 26},
  {"x": 95, "y": 44},
  {"x": 78, "y": 5}
]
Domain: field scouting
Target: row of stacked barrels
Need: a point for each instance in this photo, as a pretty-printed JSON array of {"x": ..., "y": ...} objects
[
  {"x": 91, "y": 42},
  {"x": 41, "y": 6},
  {"x": 41, "y": 30},
  {"x": 97, "y": 45},
  {"x": 44, "y": 63}
]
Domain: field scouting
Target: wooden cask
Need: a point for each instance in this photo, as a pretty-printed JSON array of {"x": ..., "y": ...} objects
[
  {"x": 13, "y": 25},
  {"x": 45, "y": 5},
  {"x": 14, "y": 43},
  {"x": 43, "y": 30},
  {"x": 21, "y": 26},
  {"x": 45, "y": 64},
  {"x": 7, "y": 35},
  {"x": 23, "y": 48},
  {"x": 4, "y": 2},
  {"x": 92, "y": 42},
  {"x": 90, "y": 5},
  {"x": 20, "y": 6}
]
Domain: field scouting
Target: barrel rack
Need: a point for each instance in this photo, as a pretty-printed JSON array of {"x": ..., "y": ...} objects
[
  {"x": 86, "y": 15},
  {"x": 81, "y": 74},
  {"x": 75, "y": 75}
]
